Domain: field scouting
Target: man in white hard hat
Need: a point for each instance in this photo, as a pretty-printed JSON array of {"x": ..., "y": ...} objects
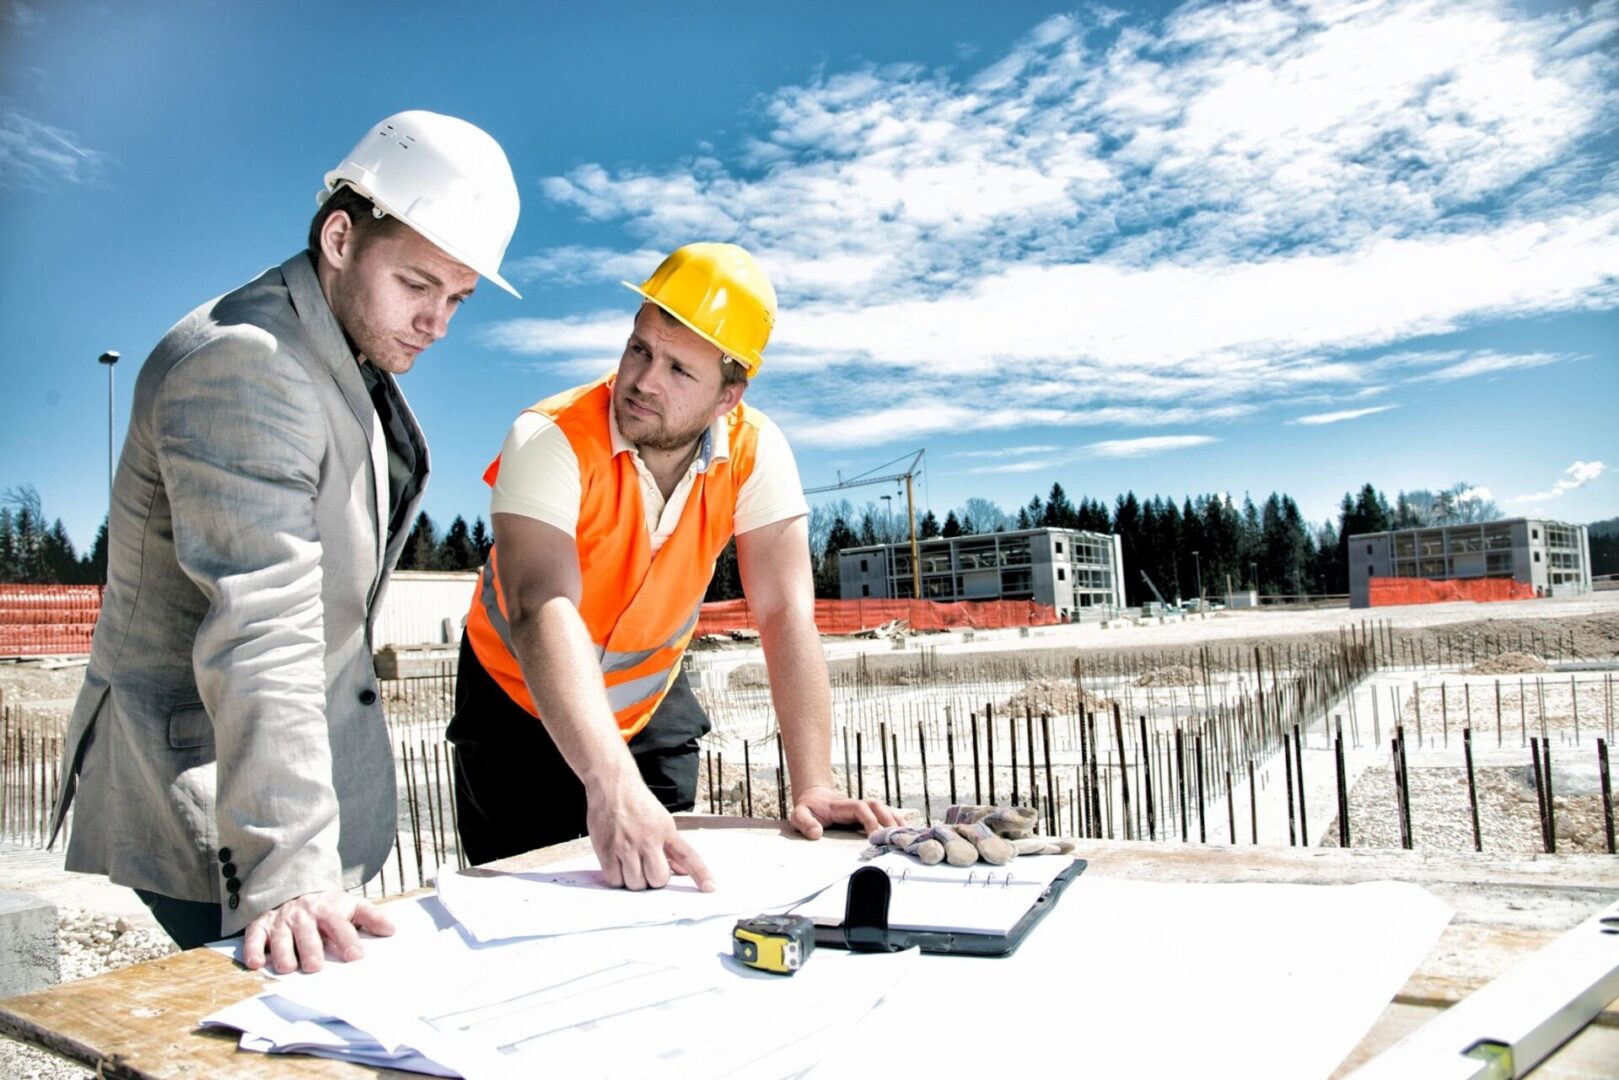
[
  {"x": 228, "y": 750},
  {"x": 611, "y": 503}
]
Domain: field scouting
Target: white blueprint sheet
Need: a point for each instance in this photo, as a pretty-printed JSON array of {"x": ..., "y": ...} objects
[{"x": 754, "y": 874}]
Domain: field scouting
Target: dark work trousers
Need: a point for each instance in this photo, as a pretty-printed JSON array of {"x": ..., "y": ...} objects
[
  {"x": 189, "y": 922},
  {"x": 514, "y": 792}
]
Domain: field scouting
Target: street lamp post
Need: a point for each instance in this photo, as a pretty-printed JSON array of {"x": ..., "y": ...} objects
[
  {"x": 109, "y": 358},
  {"x": 1254, "y": 567},
  {"x": 1197, "y": 564},
  {"x": 888, "y": 518}
]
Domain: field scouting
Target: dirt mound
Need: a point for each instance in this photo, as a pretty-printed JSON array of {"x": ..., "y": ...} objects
[
  {"x": 1172, "y": 675},
  {"x": 1054, "y": 697},
  {"x": 1509, "y": 663}
]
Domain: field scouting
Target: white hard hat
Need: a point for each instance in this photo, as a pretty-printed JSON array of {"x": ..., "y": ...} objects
[{"x": 445, "y": 178}]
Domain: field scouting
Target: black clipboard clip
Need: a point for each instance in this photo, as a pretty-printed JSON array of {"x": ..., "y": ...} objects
[{"x": 865, "y": 916}]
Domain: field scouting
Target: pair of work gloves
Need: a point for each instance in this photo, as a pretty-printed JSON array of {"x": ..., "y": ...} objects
[{"x": 969, "y": 834}]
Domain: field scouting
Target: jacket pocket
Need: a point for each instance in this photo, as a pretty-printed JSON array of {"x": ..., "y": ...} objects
[{"x": 190, "y": 727}]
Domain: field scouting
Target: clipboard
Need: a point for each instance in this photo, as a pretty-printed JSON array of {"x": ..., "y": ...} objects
[{"x": 866, "y": 928}]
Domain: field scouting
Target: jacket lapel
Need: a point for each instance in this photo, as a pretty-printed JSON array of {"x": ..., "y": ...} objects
[{"x": 332, "y": 347}]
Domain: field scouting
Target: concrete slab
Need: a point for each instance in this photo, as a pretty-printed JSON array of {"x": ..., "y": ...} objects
[{"x": 28, "y": 955}]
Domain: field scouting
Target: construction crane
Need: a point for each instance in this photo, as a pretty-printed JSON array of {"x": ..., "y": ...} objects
[{"x": 909, "y": 473}]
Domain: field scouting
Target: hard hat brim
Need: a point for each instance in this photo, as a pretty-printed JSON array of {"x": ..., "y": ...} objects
[{"x": 335, "y": 179}]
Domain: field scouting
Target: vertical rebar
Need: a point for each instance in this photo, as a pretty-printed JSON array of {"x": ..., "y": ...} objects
[{"x": 1472, "y": 787}]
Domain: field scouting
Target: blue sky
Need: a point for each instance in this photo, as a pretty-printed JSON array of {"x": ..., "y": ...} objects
[{"x": 1175, "y": 249}]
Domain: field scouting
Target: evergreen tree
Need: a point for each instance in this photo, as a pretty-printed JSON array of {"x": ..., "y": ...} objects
[
  {"x": 420, "y": 551},
  {"x": 458, "y": 552},
  {"x": 1037, "y": 513},
  {"x": 1059, "y": 512},
  {"x": 868, "y": 528},
  {"x": 59, "y": 563},
  {"x": 726, "y": 584},
  {"x": 1023, "y": 518},
  {"x": 481, "y": 540},
  {"x": 93, "y": 567},
  {"x": 839, "y": 537},
  {"x": 952, "y": 527},
  {"x": 928, "y": 527},
  {"x": 8, "y": 546},
  {"x": 1127, "y": 523}
]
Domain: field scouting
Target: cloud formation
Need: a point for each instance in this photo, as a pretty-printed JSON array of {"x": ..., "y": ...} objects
[
  {"x": 36, "y": 155},
  {"x": 1576, "y": 475},
  {"x": 1234, "y": 206},
  {"x": 1339, "y": 417}
]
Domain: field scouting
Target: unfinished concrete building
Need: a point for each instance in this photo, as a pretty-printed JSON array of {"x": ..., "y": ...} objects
[
  {"x": 1078, "y": 573},
  {"x": 1552, "y": 556}
]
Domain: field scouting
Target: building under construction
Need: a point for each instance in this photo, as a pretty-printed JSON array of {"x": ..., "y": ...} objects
[
  {"x": 1553, "y": 557},
  {"x": 1077, "y": 573}
]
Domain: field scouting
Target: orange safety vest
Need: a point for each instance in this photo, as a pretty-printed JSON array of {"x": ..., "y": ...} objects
[{"x": 640, "y": 608}]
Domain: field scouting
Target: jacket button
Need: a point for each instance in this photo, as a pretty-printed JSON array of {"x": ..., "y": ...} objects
[
  {"x": 234, "y": 902},
  {"x": 368, "y": 696},
  {"x": 224, "y": 854},
  {"x": 228, "y": 870},
  {"x": 234, "y": 885}
]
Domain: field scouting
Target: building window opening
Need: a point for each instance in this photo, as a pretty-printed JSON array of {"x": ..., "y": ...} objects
[
  {"x": 865, "y": 590},
  {"x": 1062, "y": 574},
  {"x": 863, "y": 566}
]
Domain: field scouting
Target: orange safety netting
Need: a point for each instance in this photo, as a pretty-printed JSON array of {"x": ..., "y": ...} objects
[
  {"x": 850, "y": 616},
  {"x": 1386, "y": 591},
  {"x": 47, "y": 620}
]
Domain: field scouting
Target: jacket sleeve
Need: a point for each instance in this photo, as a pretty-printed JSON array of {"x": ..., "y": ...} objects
[{"x": 240, "y": 446}]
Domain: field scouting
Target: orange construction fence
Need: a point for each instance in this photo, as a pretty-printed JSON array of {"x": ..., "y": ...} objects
[
  {"x": 1387, "y": 591},
  {"x": 47, "y": 620},
  {"x": 850, "y": 616}
]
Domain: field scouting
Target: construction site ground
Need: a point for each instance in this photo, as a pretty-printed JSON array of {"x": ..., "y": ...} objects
[{"x": 103, "y": 926}]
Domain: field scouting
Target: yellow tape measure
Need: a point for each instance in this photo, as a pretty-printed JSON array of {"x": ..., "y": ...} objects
[{"x": 778, "y": 943}]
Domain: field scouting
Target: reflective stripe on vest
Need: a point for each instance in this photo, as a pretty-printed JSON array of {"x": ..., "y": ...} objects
[{"x": 640, "y": 609}]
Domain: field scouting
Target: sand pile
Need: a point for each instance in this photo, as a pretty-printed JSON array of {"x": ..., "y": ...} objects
[
  {"x": 1173, "y": 675},
  {"x": 1509, "y": 663},
  {"x": 1054, "y": 697}
]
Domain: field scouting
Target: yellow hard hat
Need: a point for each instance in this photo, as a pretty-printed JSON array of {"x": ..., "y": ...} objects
[{"x": 720, "y": 294}]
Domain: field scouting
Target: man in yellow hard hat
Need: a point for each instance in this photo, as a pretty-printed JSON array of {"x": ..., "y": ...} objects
[
  {"x": 611, "y": 503},
  {"x": 228, "y": 757}
]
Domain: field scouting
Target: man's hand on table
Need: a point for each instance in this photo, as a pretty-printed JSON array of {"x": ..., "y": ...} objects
[
  {"x": 817, "y": 807},
  {"x": 297, "y": 935},
  {"x": 637, "y": 842}
]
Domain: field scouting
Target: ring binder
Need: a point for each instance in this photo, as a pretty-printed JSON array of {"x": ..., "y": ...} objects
[{"x": 866, "y": 925}]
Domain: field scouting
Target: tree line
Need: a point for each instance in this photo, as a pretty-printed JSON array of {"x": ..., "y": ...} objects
[{"x": 1205, "y": 545}]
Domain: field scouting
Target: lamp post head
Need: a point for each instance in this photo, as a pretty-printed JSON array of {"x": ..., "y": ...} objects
[{"x": 110, "y": 357}]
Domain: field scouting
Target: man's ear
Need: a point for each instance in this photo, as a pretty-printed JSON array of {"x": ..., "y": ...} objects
[
  {"x": 337, "y": 239},
  {"x": 730, "y": 396}
]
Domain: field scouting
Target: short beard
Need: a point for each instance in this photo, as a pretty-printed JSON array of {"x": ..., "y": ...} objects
[{"x": 660, "y": 440}]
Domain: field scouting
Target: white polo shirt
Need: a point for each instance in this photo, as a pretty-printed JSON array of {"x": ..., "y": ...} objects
[{"x": 539, "y": 477}]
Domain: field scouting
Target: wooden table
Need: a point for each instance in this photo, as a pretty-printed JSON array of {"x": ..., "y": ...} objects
[{"x": 141, "y": 1021}]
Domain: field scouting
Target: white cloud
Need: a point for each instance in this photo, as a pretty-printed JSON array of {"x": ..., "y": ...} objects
[
  {"x": 37, "y": 155},
  {"x": 1153, "y": 444},
  {"x": 1215, "y": 211},
  {"x": 1007, "y": 451},
  {"x": 1339, "y": 417},
  {"x": 1488, "y": 364},
  {"x": 1575, "y": 476}
]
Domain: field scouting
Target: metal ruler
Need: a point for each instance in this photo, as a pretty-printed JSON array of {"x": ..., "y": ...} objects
[{"x": 1506, "y": 1028}]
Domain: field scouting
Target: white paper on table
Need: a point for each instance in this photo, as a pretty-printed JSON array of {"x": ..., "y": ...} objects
[
  {"x": 753, "y": 875},
  {"x": 413, "y": 919},
  {"x": 271, "y": 1024},
  {"x": 666, "y": 1001},
  {"x": 979, "y": 899},
  {"x": 1129, "y": 979}
]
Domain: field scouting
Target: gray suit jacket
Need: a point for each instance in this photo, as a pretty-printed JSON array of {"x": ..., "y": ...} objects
[{"x": 228, "y": 744}]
